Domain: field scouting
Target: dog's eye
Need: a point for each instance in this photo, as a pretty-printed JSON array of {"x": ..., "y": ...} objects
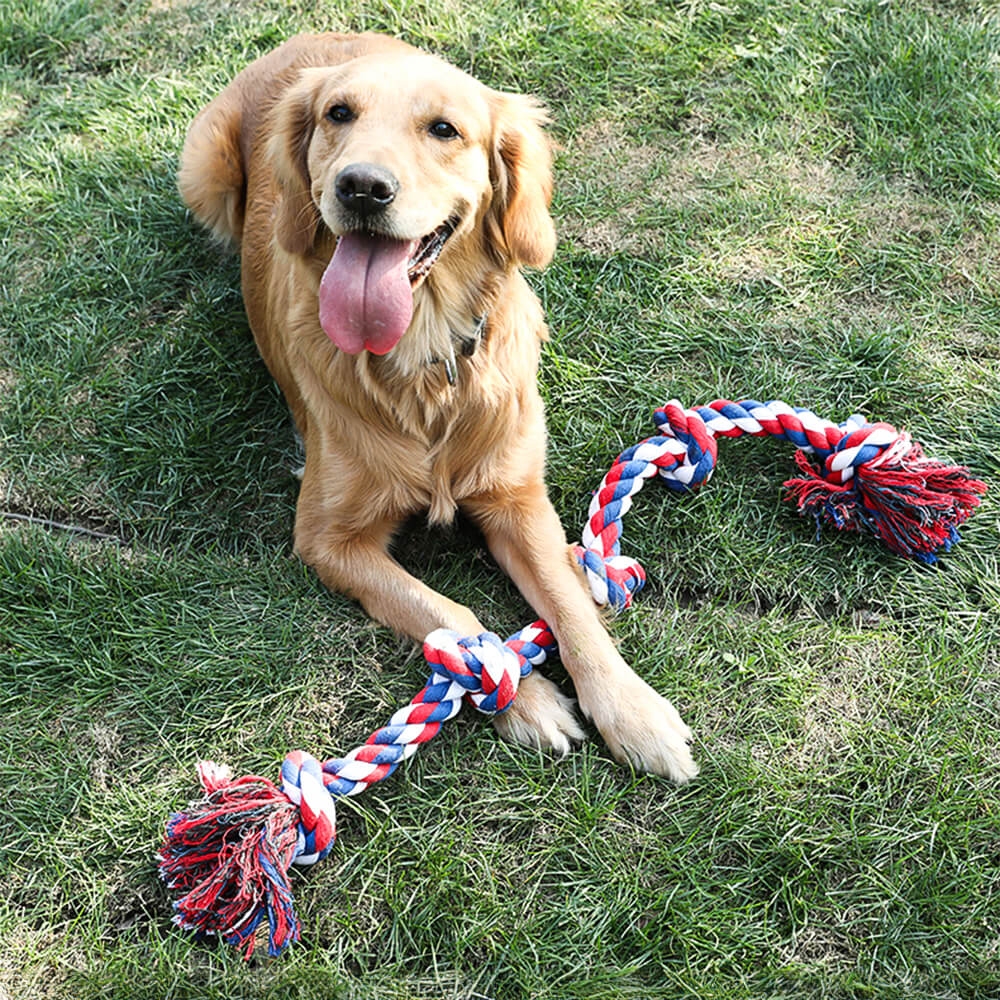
[
  {"x": 443, "y": 130},
  {"x": 340, "y": 113}
]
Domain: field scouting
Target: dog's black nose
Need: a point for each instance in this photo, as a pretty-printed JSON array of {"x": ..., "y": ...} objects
[{"x": 366, "y": 188}]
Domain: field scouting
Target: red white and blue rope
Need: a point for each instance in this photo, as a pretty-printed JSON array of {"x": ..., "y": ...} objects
[
  {"x": 230, "y": 852},
  {"x": 234, "y": 882}
]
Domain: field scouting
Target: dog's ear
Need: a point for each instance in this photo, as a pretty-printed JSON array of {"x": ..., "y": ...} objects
[
  {"x": 293, "y": 124},
  {"x": 518, "y": 223}
]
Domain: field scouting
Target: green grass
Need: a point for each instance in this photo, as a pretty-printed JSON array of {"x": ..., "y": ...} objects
[{"x": 785, "y": 199}]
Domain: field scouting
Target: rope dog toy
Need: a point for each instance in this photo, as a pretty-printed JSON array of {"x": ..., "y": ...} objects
[{"x": 229, "y": 853}]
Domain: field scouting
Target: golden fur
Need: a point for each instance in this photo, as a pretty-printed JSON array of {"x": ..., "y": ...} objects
[{"x": 387, "y": 436}]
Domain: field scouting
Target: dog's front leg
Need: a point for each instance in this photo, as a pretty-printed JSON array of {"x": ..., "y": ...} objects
[
  {"x": 526, "y": 538},
  {"x": 353, "y": 558},
  {"x": 357, "y": 563},
  {"x": 344, "y": 537}
]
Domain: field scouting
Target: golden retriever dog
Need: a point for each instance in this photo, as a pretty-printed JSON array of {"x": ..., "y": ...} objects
[{"x": 384, "y": 204}]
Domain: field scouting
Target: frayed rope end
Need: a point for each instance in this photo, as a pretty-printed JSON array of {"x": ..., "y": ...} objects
[
  {"x": 913, "y": 503},
  {"x": 229, "y": 855}
]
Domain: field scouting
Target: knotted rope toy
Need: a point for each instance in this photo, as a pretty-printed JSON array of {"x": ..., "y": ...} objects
[{"x": 229, "y": 853}]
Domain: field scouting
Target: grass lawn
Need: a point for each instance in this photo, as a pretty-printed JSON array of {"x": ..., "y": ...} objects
[{"x": 784, "y": 199}]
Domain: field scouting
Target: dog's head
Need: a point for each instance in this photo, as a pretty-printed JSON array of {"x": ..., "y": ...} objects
[{"x": 404, "y": 159}]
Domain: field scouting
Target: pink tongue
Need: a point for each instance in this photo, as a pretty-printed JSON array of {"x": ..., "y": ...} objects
[{"x": 365, "y": 299}]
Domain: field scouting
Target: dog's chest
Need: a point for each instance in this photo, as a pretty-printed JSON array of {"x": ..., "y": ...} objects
[
  {"x": 440, "y": 464},
  {"x": 429, "y": 449}
]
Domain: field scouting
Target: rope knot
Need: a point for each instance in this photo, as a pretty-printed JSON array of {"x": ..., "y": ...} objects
[
  {"x": 228, "y": 855},
  {"x": 485, "y": 670},
  {"x": 302, "y": 782},
  {"x": 612, "y": 579},
  {"x": 878, "y": 480},
  {"x": 870, "y": 445},
  {"x": 694, "y": 464}
]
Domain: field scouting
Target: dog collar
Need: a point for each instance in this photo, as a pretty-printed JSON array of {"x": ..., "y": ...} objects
[{"x": 467, "y": 343}]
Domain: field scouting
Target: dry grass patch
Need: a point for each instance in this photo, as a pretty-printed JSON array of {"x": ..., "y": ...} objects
[
  {"x": 12, "y": 497},
  {"x": 603, "y": 154},
  {"x": 104, "y": 741},
  {"x": 13, "y": 109},
  {"x": 839, "y": 702},
  {"x": 36, "y": 963},
  {"x": 972, "y": 270},
  {"x": 792, "y": 217},
  {"x": 822, "y": 946}
]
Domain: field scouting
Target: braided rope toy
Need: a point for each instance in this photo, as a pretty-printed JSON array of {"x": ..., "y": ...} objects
[{"x": 230, "y": 852}]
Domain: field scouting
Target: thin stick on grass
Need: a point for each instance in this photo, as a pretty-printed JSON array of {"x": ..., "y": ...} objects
[{"x": 58, "y": 525}]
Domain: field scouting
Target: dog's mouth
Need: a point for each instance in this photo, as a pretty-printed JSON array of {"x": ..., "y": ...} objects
[
  {"x": 428, "y": 250},
  {"x": 366, "y": 292}
]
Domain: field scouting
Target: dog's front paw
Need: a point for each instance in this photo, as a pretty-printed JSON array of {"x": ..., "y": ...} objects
[
  {"x": 643, "y": 728},
  {"x": 541, "y": 716}
]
